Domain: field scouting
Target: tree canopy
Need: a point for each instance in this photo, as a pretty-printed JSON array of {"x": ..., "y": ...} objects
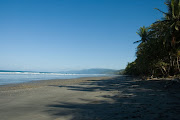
[{"x": 158, "y": 52}]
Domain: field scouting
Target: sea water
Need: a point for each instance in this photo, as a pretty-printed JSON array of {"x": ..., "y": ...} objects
[{"x": 22, "y": 77}]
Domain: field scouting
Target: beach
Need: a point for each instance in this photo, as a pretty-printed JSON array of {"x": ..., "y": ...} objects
[{"x": 91, "y": 98}]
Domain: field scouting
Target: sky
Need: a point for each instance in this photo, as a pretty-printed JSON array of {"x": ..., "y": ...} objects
[{"x": 54, "y": 35}]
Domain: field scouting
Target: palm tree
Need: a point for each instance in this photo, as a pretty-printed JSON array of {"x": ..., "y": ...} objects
[
  {"x": 169, "y": 30},
  {"x": 171, "y": 21},
  {"x": 143, "y": 32}
]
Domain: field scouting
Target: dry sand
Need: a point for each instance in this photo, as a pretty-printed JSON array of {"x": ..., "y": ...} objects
[{"x": 99, "y": 98}]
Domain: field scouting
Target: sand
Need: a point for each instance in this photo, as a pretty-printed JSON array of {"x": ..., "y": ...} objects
[{"x": 98, "y": 98}]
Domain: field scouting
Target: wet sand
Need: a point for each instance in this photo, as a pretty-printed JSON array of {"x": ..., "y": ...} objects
[{"x": 98, "y": 98}]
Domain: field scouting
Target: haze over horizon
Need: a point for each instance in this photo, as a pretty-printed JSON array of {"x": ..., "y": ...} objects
[{"x": 46, "y": 35}]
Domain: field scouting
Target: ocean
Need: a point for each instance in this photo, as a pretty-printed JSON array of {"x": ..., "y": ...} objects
[{"x": 22, "y": 77}]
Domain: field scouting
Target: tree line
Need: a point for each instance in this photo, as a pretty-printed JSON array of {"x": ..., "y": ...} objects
[{"x": 158, "y": 52}]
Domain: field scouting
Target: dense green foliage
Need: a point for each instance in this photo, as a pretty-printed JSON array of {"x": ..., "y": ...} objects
[{"x": 158, "y": 52}]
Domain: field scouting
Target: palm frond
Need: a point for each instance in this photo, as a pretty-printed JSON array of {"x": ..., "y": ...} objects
[
  {"x": 160, "y": 11},
  {"x": 137, "y": 41}
]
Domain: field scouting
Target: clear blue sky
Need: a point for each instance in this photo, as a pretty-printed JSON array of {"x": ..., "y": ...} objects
[{"x": 53, "y": 35}]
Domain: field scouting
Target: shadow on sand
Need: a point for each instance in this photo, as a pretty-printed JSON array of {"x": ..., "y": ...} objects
[{"x": 137, "y": 100}]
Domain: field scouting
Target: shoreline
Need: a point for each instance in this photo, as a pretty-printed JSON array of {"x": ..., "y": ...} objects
[
  {"x": 44, "y": 79},
  {"x": 90, "y": 98},
  {"x": 38, "y": 83}
]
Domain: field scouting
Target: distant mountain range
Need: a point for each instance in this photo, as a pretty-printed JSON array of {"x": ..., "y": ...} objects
[{"x": 92, "y": 71}]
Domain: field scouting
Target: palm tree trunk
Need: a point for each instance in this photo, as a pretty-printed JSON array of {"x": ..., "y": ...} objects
[
  {"x": 152, "y": 73},
  {"x": 178, "y": 64},
  {"x": 173, "y": 42},
  {"x": 162, "y": 71}
]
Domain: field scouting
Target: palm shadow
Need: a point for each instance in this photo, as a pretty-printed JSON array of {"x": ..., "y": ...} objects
[{"x": 135, "y": 100}]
